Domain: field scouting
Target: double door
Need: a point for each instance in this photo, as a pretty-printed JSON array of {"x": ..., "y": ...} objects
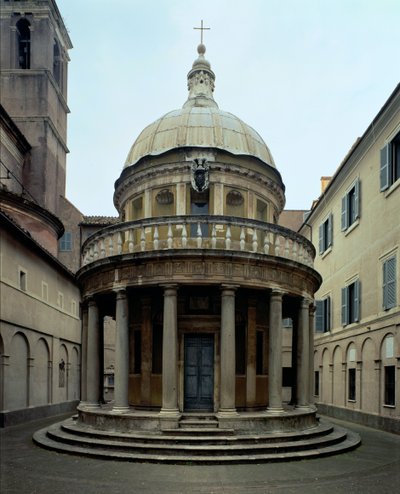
[{"x": 199, "y": 372}]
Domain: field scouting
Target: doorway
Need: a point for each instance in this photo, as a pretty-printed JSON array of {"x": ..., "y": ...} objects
[{"x": 199, "y": 372}]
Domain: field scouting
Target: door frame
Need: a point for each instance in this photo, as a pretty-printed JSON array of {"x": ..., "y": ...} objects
[{"x": 212, "y": 338}]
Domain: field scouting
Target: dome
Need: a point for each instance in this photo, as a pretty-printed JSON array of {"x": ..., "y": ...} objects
[{"x": 200, "y": 123}]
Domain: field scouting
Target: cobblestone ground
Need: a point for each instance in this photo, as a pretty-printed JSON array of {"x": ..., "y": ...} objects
[{"x": 27, "y": 469}]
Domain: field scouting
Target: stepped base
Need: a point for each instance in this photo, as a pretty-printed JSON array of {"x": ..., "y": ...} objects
[{"x": 199, "y": 439}]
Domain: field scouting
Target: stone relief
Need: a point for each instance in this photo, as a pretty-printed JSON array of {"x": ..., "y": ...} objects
[{"x": 199, "y": 176}]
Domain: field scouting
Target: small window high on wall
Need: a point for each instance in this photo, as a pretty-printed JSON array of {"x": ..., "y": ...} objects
[
  {"x": 24, "y": 44},
  {"x": 57, "y": 66}
]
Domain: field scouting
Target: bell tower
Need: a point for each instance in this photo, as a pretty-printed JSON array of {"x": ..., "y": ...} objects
[{"x": 34, "y": 64}]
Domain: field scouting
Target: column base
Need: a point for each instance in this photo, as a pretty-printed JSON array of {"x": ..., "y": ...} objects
[
  {"x": 305, "y": 408},
  {"x": 90, "y": 404},
  {"x": 227, "y": 413},
  {"x": 169, "y": 418},
  {"x": 275, "y": 410},
  {"x": 120, "y": 409}
]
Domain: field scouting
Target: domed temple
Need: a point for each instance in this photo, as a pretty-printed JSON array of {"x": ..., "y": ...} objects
[{"x": 198, "y": 276}]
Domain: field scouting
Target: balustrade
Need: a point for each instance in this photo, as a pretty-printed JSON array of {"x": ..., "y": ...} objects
[{"x": 194, "y": 232}]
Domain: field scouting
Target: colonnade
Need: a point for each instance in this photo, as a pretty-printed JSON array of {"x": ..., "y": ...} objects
[{"x": 91, "y": 353}]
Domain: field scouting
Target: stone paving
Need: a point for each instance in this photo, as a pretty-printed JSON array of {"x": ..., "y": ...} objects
[{"x": 374, "y": 467}]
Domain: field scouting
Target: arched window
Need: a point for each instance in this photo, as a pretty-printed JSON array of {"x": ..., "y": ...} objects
[
  {"x": 24, "y": 44},
  {"x": 57, "y": 67}
]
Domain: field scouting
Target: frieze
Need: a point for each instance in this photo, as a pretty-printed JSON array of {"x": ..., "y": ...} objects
[
  {"x": 179, "y": 268},
  {"x": 262, "y": 274}
]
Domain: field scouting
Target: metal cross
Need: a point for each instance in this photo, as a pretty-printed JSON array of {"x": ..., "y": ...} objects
[{"x": 202, "y": 29}]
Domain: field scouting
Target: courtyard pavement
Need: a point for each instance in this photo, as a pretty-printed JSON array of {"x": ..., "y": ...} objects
[{"x": 373, "y": 468}]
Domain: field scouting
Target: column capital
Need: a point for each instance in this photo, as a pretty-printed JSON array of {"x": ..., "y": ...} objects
[
  {"x": 228, "y": 287},
  {"x": 90, "y": 300},
  {"x": 120, "y": 292},
  {"x": 306, "y": 302},
  {"x": 170, "y": 289},
  {"x": 277, "y": 293}
]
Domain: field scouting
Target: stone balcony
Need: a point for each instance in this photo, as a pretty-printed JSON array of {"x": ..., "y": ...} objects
[{"x": 221, "y": 233}]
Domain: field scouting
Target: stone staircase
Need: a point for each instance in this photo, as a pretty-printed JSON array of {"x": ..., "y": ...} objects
[{"x": 198, "y": 440}]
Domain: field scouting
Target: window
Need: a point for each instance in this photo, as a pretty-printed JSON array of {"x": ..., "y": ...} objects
[
  {"x": 22, "y": 280},
  {"x": 316, "y": 383},
  {"x": 351, "y": 206},
  {"x": 45, "y": 291},
  {"x": 351, "y": 303},
  {"x": 389, "y": 283},
  {"x": 390, "y": 163},
  {"x": 57, "y": 66},
  {"x": 262, "y": 211},
  {"x": 66, "y": 242},
  {"x": 323, "y": 315},
  {"x": 24, "y": 44},
  {"x": 352, "y": 385},
  {"x": 325, "y": 234},
  {"x": 390, "y": 398},
  {"x": 287, "y": 323},
  {"x": 60, "y": 300}
]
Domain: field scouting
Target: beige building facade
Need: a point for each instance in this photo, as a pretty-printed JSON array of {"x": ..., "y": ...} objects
[
  {"x": 40, "y": 327},
  {"x": 355, "y": 228}
]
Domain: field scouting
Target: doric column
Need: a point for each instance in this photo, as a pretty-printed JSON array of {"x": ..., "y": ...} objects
[
  {"x": 275, "y": 353},
  {"x": 170, "y": 352},
  {"x": 93, "y": 357},
  {"x": 121, "y": 371},
  {"x": 228, "y": 353},
  {"x": 303, "y": 356},
  {"x": 311, "y": 352},
  {"x": 84, "y": 354}
]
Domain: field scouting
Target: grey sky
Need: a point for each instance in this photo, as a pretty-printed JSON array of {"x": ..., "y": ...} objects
[{"x": 308, "y": 75}]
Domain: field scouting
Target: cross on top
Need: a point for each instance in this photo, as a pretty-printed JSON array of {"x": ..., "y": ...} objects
[{"x": 201, "y": 28}]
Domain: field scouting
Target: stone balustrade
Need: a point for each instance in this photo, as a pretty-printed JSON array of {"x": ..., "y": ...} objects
[{"x": 198, "y": 232}]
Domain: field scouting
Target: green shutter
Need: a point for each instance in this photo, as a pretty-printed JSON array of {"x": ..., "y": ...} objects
[
  {"x": 344, "y": 213},
  {"x": 357, "y": 199},
  {"x": 330, "y": 230},
  {"x": 385, "y": 167},
  {"x": 321, "y": 238},
  {"x": 328, "y": 314},
  {"x": 357, "y": 300},
  {"x": 345, "y": 306},
  {"x": 389, "y": 283},
  {"x": 319, "y": 316}
]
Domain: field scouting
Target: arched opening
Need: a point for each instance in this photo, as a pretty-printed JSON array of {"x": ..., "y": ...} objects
[
  {"x": 57, "y": 66},
  {"x": 16, "y": 392},
  {"x": 63, "y": 374},
  {"x": 24, "y": 44},
  {"x": 41, "y": 376}
]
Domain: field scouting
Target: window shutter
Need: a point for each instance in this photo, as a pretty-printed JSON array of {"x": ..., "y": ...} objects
[
  {"x": 385, "y": 167},
  {"x": 344, "y": 213},
  {"x": 389, "y": 283},
  {"x": 321, "y": 238},
  {"x": 357, "y": 300},
  {"x": 357, "y": 199},
  {"x": 345, "y": 305},
  {"x": 330, "y": 230},
  {"x": 319, "y": 316},
  {"x": 328, "y": 314}
]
